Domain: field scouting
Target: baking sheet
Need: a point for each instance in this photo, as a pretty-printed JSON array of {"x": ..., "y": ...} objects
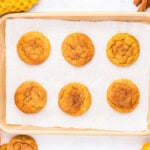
[{"x": 97, "y": 75}]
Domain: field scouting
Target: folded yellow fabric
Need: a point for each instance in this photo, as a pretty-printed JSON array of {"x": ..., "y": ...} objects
[{"x": 7, "y": 6}]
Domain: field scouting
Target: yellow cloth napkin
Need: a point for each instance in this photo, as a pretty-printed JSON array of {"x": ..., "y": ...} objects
[{"x": 7, "y": 6}]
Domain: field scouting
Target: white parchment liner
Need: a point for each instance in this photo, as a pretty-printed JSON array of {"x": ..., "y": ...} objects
[{"x": 96, "y": 75}]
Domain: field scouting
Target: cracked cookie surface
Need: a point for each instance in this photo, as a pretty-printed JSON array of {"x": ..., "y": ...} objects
[
  {"x": 30, "y": 97},
  {"x": 3, "y": 147},
  {"x": 77, "y": 49},
  {"x": 33, "y": 48},
  {"x": 22, "y": 142},
  {"x": 123, "y": 49},
  {"x": 123, "y": 95},
  {"x": 74, "y": 99}
]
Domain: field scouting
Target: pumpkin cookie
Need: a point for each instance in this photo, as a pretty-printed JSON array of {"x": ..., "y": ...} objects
[
  {"x": 33, "y": 48},
  {"x": 22, "y": 142},
  {"x": 3, "y": 147},
  {"x": 30, "y": 97},
  {"x": 77, "y": 49},
  {"x": 123, "y": 49},
  {"x": 74, "y": 99},
  {"x": 123, "y": 95}
]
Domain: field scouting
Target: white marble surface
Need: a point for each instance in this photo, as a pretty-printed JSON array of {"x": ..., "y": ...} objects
[
  {"x": 83, "y": 142},
  {"x": 85, "y": 5},
  {"x": 47, "y": 142}
]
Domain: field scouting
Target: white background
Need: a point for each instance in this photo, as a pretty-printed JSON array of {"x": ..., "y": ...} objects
[
  {"x": 83, "y": 142},
  {"x": 85, "y": 5}
]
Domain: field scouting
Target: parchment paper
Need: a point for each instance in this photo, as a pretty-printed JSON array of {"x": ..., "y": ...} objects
[{"x": 96, "y": 75}]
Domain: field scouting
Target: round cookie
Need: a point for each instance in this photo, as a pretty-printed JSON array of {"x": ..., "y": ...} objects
[
  {"x": 123, "y": 95},
  {"x": 33, "y": 48},
  {"x": 3, "y": 147},
  {"x": 123, "y": 49},
  {"x": 30, "y": 97},
  {"x": 77, "y": 49},
  {"x": 22, "y": 142},
  {"x": 74, "y": 99}
]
